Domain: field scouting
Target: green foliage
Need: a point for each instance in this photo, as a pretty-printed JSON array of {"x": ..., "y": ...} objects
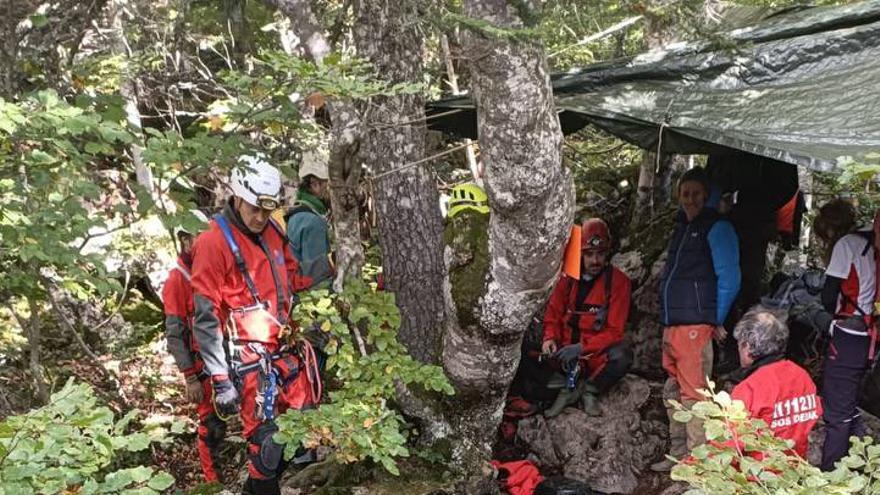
[
  {"x": 50, "y": 192},
  {"x": 724, "y": 465},
  {"x": 73, "y": 445},
  {"x": 366, "y": 360},
  {"x": 860, "y": 175},
  {"x": 489, "y": 30}
]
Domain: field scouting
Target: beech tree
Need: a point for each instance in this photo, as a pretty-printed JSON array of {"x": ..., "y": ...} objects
[{"x": 530, "y": 193}]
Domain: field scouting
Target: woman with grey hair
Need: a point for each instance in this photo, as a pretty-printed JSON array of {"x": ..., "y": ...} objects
[{"x": 775, "y": 389}]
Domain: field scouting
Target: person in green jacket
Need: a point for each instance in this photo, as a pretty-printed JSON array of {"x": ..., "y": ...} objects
[{"x": 308, "y": 228}]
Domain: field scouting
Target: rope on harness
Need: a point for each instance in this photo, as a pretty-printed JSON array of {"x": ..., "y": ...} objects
[{"x": 313, "y": 372}]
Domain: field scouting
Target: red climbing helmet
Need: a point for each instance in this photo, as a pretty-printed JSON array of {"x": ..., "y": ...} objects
[{"x": 595, "y": 235}]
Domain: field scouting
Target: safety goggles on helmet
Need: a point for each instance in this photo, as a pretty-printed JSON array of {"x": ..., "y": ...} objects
[{"x": 267, "y": 202}]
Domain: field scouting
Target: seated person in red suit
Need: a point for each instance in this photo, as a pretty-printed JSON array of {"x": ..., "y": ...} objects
[{"x": 583, "y": 324}]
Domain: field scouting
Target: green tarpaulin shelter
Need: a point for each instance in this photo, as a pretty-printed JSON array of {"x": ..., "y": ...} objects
[{"x": 801, "y": 86}]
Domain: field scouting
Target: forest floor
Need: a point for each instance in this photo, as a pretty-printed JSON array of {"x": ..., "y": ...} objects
[{"x": 149, "y": 381}]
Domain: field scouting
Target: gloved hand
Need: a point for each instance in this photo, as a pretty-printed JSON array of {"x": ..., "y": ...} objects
[
  {"x": 569, "y": 353},
  {"x": 225, "y": 397},
  {"x": 194, "y": 391}
]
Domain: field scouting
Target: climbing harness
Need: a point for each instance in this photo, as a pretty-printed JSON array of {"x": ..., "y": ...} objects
[{"x": 275, "y": 369}]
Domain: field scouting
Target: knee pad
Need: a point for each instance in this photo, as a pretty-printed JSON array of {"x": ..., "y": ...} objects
[
  {"x": 265, "y": 453},
  {"x": 216, "y": 430}
]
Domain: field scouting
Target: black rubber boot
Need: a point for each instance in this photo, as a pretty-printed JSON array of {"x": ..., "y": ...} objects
[{"x": 261, "y": 487}]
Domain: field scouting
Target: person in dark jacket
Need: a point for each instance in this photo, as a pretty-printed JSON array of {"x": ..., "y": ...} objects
[
  {"x": 848, "y": 298},
  {"x": 584, "y": 322},
  {"x": 308, "y": 228},
  {"x": 697, "y": 289}
]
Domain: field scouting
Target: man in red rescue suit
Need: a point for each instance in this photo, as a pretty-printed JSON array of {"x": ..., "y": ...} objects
[
  {"x": 243, "y": 278},
  {"x": 583, "y": 324},
  {"x": 774, "y": 389},
  {"x": 177, "y": 298}
]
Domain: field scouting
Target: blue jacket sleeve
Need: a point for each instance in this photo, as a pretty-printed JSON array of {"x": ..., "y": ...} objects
[{"x": 725, "y": 258}]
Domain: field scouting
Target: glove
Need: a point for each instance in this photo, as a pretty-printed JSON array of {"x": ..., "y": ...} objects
[
  {"x": 225, "y": 397},
  {"x": 569, "y": 353},
  {"x": 194, "y": 391}
]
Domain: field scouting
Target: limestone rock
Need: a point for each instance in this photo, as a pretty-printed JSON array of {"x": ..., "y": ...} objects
[
  {"x": 645, "y": 332},
  {"x": 607, "y": 452},
  {"x": 630, "y": 263}
]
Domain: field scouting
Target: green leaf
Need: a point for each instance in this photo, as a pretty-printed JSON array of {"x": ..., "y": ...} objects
[
  {"x": 40, "y": 157},
  {"x": 39, "y": 20},
  {"x": 137, "y": 442},
  {"x": 161, "y": 481},
  {"x": 389, "y": 465}
]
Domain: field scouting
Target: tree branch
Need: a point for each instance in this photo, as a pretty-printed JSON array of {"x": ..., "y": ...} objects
[{"x": 68, "y": 325}]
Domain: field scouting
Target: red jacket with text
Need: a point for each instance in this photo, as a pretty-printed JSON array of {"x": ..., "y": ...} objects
[
  {"x": 576, "y": 303},
  {"x": 220, "y": 290},
  {"x": 784, "y": 396}
]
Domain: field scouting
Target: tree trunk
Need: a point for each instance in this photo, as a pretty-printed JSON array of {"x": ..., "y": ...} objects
[
  {"x": 31, "y": 327},
  {"x": 344, "y": 166},
  {"x": 653, "y": 190},
  {"x": 452, "y": 79},
  {"x": 304, "y": 23},
  {"x": 8, "y": 49},
  {"x": 128, "y": 90},
  {"x": 345, "y": 177},
  {"x": 387, "y": 33},
  {"x": 532, "y": 201},
  {"x": 238, "y": 30},
  {"x": 36, "y": 364}
]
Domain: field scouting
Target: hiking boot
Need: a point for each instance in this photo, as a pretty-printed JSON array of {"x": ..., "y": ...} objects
[
  {"x": 556, "y": 381},
  {"x": 663, "y": 466},
  {"x": 565, "y": 398},
  {"x": 590, "y": 404}
]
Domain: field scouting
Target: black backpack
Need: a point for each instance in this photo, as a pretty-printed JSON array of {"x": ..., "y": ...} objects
[{"x": 560, "y": 485}]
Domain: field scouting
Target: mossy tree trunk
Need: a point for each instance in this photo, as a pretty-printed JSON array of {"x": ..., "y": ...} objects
[{"x": 532, "y": 200}]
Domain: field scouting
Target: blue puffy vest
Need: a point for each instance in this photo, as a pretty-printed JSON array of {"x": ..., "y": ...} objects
[{"x": 689, "y": 287}]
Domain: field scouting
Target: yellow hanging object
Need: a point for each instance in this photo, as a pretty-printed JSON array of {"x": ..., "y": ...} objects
[{"x": 468, "y": 197}]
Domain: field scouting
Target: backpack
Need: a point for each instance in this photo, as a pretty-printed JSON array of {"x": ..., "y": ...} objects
[{"x": 870, "y": 392}]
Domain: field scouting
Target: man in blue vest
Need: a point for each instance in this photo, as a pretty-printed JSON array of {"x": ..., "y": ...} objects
[{"x": 699, "y": 285}]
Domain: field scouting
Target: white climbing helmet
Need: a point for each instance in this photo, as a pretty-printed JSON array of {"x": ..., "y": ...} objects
[{"x": 256, "y": 181}]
